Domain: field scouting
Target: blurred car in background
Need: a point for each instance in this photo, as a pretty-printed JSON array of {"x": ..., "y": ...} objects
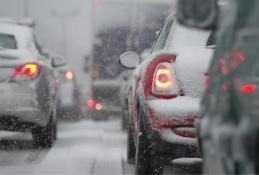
[
  {"x": 27, "y": 84},
  {"x": 228, "y": 129},
  {"x": 165, "y": 97},
  {"x": 69, "y": 95},
  {"x": 105, "y": 99}
]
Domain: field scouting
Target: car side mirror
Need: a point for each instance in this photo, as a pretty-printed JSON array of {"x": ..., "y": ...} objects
[
  {"x": 130, "y": 60},
  {"x": 200, "y": 14},
  {"x": 58, "y": 61}
]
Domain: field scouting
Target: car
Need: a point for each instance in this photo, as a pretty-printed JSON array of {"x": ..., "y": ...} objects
[
  {"x": 165, "y": 97},
  {"x": 228, "y": 129},
  {"x": 27, "y": 84},
  {"x": 69, "y": 95},
  {"x": 104, "y": 99}
]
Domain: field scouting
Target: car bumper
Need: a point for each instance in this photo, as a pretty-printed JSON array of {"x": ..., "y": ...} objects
[
  {"x": 164, "y": 116},
  {"x": 180, "y": 111},
  {"x": 170, "y": 145},
  {"x": 21, "y": 103}
]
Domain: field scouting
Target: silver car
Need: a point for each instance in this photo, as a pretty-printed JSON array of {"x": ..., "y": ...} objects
[{"x": 27, "y": 84}]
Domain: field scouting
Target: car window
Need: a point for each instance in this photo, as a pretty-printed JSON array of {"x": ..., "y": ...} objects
[
  {"x": 7, "y": 41},
  {"x": 162, "y": 39}
]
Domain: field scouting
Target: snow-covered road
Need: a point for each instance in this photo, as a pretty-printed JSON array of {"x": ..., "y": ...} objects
[{"x": 85, "y": 147}]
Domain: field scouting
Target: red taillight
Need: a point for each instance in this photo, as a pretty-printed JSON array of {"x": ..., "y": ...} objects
[
  {"x": 26, "y": 72},
  {"x": 248, "y": 88},
  {"x": 157, "y": 81},
  {"x": 90, "y": 103},
  {"x": 163, "y": 80}
]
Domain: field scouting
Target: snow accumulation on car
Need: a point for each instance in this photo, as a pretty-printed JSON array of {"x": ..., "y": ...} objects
[
  {"x": 28, "y": 91},
  {"x": 165, "y": 97}
]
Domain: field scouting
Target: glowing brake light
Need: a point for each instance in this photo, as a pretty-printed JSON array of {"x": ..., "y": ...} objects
[
  {"x": 90, "y": 103},
  {"x": 248, "y": 88},
  {"x": 98, "y": 106},
  {"x": 163, "y": 80},
  {"x": 26, "y": 72},
  {"x": 69, "y": 75}
]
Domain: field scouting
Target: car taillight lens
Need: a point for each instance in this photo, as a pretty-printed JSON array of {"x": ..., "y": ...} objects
[
  {"x": 26, "y": 72},
  {"x": 90, "y": 103},
  {"x": 69, "y": 75},
  {"x": 248, "y": 88},
  {"x": 98, "y": 106},
  {"x": 163, "y": 80}
]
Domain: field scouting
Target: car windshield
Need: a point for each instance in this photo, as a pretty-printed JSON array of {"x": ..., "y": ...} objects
[{"x": 7, "y": 41}]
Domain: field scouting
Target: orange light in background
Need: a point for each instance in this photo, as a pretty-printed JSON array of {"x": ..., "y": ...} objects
[
  {"x": 69, "y": 75},
  {"x": 98, "y": 106}
]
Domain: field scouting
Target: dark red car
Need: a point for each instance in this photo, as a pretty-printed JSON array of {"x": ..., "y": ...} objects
[{"x": 164, "y": 100}]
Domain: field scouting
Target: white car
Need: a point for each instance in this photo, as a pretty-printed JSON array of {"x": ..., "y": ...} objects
[{"x": 27, "y": 84}]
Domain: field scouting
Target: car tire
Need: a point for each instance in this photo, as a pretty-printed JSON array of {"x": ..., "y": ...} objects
[
  {"x": 146, "y": 160},
  {"x": 44, "y": 136},
  {"x": 131, "y": 149}
]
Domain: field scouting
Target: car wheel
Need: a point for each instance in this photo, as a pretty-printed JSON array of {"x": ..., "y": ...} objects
[
  {"x": 146, "y": 160},
  {"x": 131, "y": 150},
  {"x": 44, "y": 136}
]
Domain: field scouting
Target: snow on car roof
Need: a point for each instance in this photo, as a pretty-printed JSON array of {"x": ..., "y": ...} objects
[{"x": 23, "y": 34}]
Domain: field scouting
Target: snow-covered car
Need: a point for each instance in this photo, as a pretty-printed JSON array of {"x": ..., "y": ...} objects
[
  {"x": 69, "y": 95},
  {"x": 165, "y": 97},
  {"x": 104, "y": 99},
  {"x": 27, "y": 84}
]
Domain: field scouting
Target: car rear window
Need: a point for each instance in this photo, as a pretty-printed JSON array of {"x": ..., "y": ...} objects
[{"x": 7, "y": 41}]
